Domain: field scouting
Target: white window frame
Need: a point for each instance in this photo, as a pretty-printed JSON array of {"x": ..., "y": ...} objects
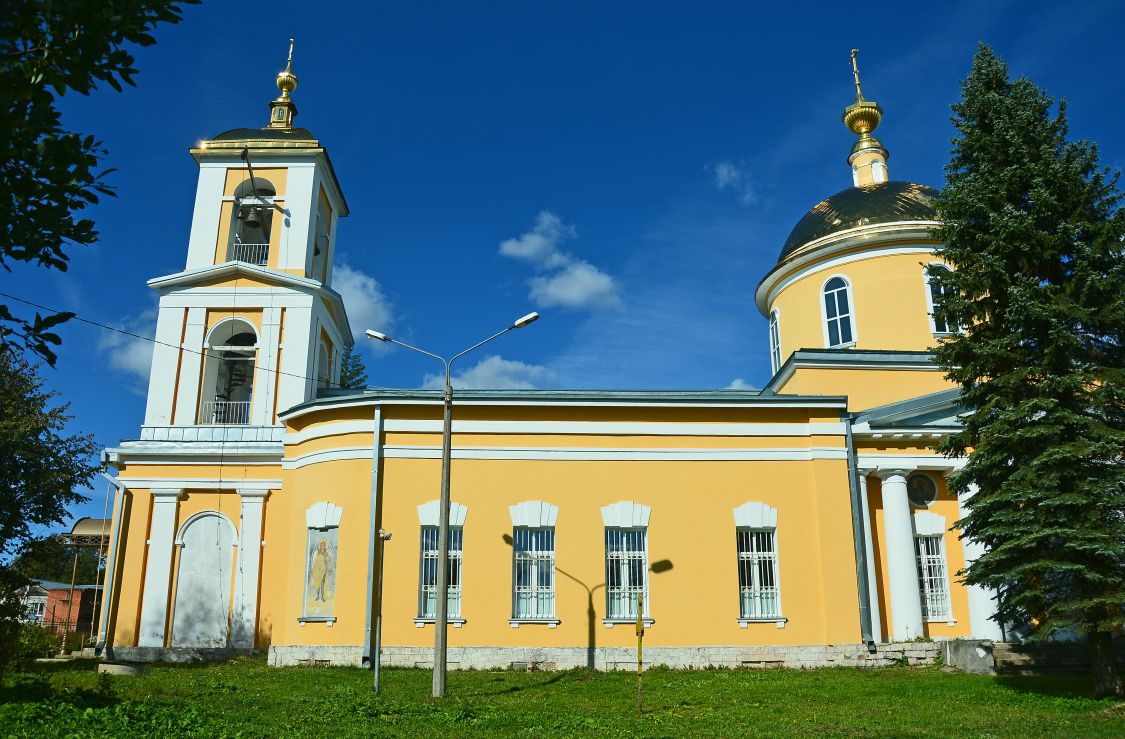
[
  {"x": 929, "y": 290},
  {"x": 775, "y": 340},
  {"x": 756, "y": 517},
  {"x": 626, "y": 592},
  {"x": 930, "y": 581},
  {"x": 534, "y": 515},
  {"x": 533, "y": 549},
  {"x": 429, "y": 516},
  {"x": 850, "y": 295},
  {"x": 455, "y": 591}
]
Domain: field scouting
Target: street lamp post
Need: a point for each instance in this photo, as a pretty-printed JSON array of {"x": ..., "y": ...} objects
[{"x": 441, "y": 620}]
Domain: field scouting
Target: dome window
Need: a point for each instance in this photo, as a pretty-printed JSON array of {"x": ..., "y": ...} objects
[{"x": 839, "y": 330}]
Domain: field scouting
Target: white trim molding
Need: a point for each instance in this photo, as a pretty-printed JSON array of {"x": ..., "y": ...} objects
[
  {"x": 638, "y": 454},
  {"x": 200, "y": 483},
  {"x": 534, "y": 514},
  {"x": 625, "y": 514},
  {"x": 429, "y": 514},
  {"x": 755, "y": 515},
  {"x": 323, "y": 515},
  {"x": 929, "y": 524},
  {"x": 179, "y": 540}
]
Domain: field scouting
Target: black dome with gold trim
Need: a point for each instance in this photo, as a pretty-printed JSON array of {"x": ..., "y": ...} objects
[{"x": 886, "y": 202}]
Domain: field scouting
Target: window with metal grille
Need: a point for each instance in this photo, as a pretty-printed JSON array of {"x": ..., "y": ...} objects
[
  {"x": 427, "y": 579},
  {"x": 626, "y": 571},
  {"x": 775, "y": 342},
  {"x": 759, "y": 595},
  {"x": 932, "y": 582},
  {"x": 837, "y": 312},
  {"x": 533, "y": 576}
]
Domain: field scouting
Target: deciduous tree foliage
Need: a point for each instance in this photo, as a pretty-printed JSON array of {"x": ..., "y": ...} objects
[
  {"x": 41, "y": 462},
  {"x": 51, "y": 558},
  {"x": 352, "y": 372},
  {"x": 1031, "y": 224},
  {"x": 49, "y": 174}
]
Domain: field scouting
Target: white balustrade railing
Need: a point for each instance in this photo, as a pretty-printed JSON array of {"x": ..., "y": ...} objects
[
  {"x": 250, "y": 253},
  {"x": 225, "y": 412}
]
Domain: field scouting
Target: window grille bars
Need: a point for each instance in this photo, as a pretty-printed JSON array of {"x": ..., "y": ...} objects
[
  {"x": 533, "y": 577},
  {"x": 626, "y": 571},
  {"x": 758, "y": 593},
  {"x": 427, "y": 580},
  {"x": 932, "y": 582}
]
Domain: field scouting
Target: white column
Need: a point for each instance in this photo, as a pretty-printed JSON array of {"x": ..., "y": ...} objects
[
  {"x": 872, "y": 584},
  {"x": 982, "y": 600},
  {"x": 165, "y": 357},
  {"x": 244, "y": 608},
  {"x": 158, "y": 568},
  {"x": 902, "y": 565}
]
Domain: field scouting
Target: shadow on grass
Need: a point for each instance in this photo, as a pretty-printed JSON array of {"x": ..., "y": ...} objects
[
  {"x": 36, "y": 687},
  {"x": 538, "y": 684},
  {"x": 1054, "y": 686}
]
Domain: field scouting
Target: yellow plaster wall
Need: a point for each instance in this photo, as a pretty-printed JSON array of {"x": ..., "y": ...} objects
[
  {"x": 692, "y": 525},
  {"x": 277, "y": 176},
  {"x": 888, "y": 305},
  {"x": 130, "y": 567},
  {"x": 865, "y": 388}
]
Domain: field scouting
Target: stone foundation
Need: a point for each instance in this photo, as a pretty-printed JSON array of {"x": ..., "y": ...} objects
[
  {"x": 620, "y": 658},
  {"x": 174, "y": 654}
]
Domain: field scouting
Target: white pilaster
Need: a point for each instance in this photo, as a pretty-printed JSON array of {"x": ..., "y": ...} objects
[
  {"x": 158, "y": 568},
  {"x": 902, "y": 565},
  {"x": 244, "y": 608},
  {"x": 191, "y": 366},
  {"x": 293, "y": 387},
  {"x": 165, "y": 357},
  {"x": 205, "y": 218},
  {"x": 982, "y": 600},
  {"x": 872, "y": 584},
  {"x": 300, "y": 203},
  {"x": 261, "y": 414}
]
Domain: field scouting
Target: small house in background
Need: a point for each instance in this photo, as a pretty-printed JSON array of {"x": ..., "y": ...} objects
[{"x": 50, "y": 604}]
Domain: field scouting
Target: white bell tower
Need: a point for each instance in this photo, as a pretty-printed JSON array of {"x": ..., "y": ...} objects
[{"x": 251, "y": 326}]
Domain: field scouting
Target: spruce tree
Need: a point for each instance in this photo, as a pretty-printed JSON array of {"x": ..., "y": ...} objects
[
  {"x": 352, "y": 372},
  {"x": 1031, "y": 224}
]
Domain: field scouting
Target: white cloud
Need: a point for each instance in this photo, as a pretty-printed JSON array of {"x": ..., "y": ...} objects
[
  {"x": 540, "y": 245},
  {"x": 739, "y": 384},
  {"x": 128, "y": 355},
  {"x": 496, "y": 373},
  {"x": 733, "y": 178},
  {"x": 364, "y": 300},
  {"x": 566, "y": 281},
  {"x": 579, "y": 285}
]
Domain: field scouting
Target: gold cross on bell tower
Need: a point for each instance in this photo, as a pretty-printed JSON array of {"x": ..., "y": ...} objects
[{"x": 283, "y": 109}]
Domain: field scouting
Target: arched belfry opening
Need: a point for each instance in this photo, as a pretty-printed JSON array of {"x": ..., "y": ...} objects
[
  {"x": 228, "y": 375},
  {"x": 253, "y": 221}
]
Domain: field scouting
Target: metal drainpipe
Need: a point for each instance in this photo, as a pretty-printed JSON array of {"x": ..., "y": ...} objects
[
  {"x": 858, "y": 536},
  {"x": 376, "y": 457},
  {"x": 110, "y": 567}
]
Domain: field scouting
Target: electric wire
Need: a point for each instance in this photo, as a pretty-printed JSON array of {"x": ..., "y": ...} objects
[{"x": 158, "y": 342}]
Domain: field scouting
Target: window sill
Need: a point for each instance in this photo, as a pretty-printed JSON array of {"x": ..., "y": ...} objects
[
  {"x": 326, "y": 620},
  {"x": 849, "y": 345},
  {"x": 942, "y": 620},
  {"x": 610, "y": 622},
  {"x": 551, "y": 623},
  {"x": 780, "y": 621},
  {"x": 454, "y": 622}
]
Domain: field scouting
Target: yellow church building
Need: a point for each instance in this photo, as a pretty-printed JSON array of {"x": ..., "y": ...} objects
[{"x": 805, "y": 523}]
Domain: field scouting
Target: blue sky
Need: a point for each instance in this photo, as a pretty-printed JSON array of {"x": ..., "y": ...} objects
[{"x": 630, "y": 170}]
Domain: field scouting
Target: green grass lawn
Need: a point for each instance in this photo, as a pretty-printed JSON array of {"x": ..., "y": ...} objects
[{"x": 246, "y": 698}]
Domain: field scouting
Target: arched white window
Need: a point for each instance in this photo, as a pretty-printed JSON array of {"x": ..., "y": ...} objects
[
  {"x": 934, "y": 294},
  {"x": 839, "y": 327},
  {"x": 228, "y": 374},
  {"x": 775, "y": 341},
  {"x": 252, "y": 222}
]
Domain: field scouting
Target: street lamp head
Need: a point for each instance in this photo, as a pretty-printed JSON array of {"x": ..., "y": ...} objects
[
  {"x": 376, "y": 335},
  {"x": 529, "y": 318}
]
